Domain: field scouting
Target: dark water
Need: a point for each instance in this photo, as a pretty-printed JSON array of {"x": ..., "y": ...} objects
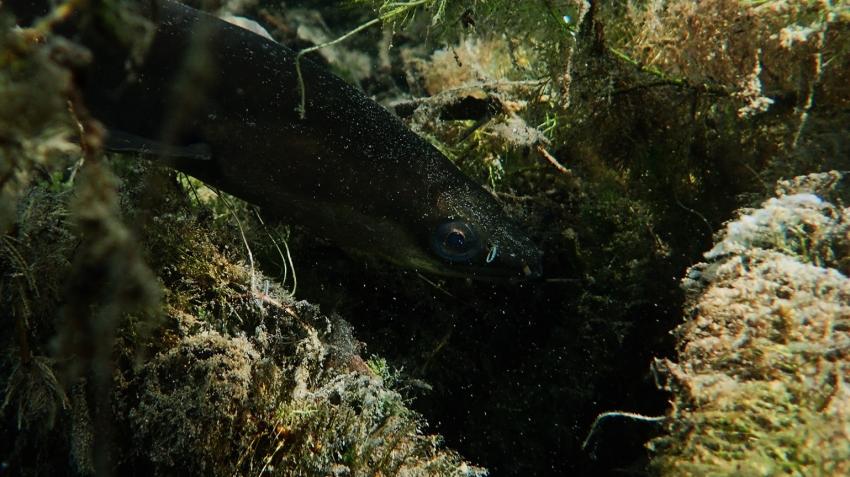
[{"x": 518, "y": 373}]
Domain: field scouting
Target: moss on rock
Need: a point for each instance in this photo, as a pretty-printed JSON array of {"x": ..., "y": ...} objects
[{"x": 759, "y": 386}]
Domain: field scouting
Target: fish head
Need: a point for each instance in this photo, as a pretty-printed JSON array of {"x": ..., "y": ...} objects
[{"x": 468, "y": 234}]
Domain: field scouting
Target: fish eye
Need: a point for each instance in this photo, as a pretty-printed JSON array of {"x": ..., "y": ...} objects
[{"x": 455, "y": 241}]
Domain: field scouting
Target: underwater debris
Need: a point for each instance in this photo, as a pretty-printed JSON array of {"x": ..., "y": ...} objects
[
  {"x": 759, "y": 385},
  {"x": 288, "y": 399},
  {"x": 193, "y": 412}
]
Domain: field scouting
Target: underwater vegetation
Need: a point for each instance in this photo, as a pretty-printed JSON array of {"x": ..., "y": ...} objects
[
  {"x": 759, "y": 384},
  {"x": 154, "y": 326}
]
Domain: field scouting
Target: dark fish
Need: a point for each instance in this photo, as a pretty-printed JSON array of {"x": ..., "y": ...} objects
[{"x": 219, "y": 103}]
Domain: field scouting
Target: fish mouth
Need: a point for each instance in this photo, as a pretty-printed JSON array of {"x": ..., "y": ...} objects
[
  {"x": 523, "y": 272},
  {"x": 504, "y": 267},
  {"x": 527, "y": 265},
  {"x": 515, "y": 270},
  {"x": 534, "y": 272}
]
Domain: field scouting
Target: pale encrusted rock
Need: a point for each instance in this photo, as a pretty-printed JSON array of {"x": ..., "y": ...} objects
[{"x": 759, "y": 386}]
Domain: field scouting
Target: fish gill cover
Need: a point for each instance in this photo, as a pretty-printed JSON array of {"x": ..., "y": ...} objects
[{"x": 149, "y": 324}]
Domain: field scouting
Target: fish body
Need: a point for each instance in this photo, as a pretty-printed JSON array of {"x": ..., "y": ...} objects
[{"x": 224, "y": 102}]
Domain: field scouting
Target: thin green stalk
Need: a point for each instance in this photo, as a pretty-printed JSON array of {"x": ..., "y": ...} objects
[{"x": 394, "y": 10}]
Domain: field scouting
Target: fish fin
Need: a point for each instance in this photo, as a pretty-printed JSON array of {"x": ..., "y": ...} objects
[{"x": 119, "y": 141}]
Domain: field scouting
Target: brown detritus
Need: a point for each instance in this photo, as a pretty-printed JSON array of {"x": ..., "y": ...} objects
[
  {"x": 175, "y": 428},
  {"x": 549, "y": 157}
]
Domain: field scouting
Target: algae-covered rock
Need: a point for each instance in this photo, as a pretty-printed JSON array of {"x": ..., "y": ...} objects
[
  {"x": 759, "y": 385},
  {"x": 194, "y": 403},
  {"x": 757, "y": 51}
]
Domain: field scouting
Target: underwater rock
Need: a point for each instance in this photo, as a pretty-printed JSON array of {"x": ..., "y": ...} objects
[
  {"x": 192, "y": 414},
  {"x": 763, "y": 360}
]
